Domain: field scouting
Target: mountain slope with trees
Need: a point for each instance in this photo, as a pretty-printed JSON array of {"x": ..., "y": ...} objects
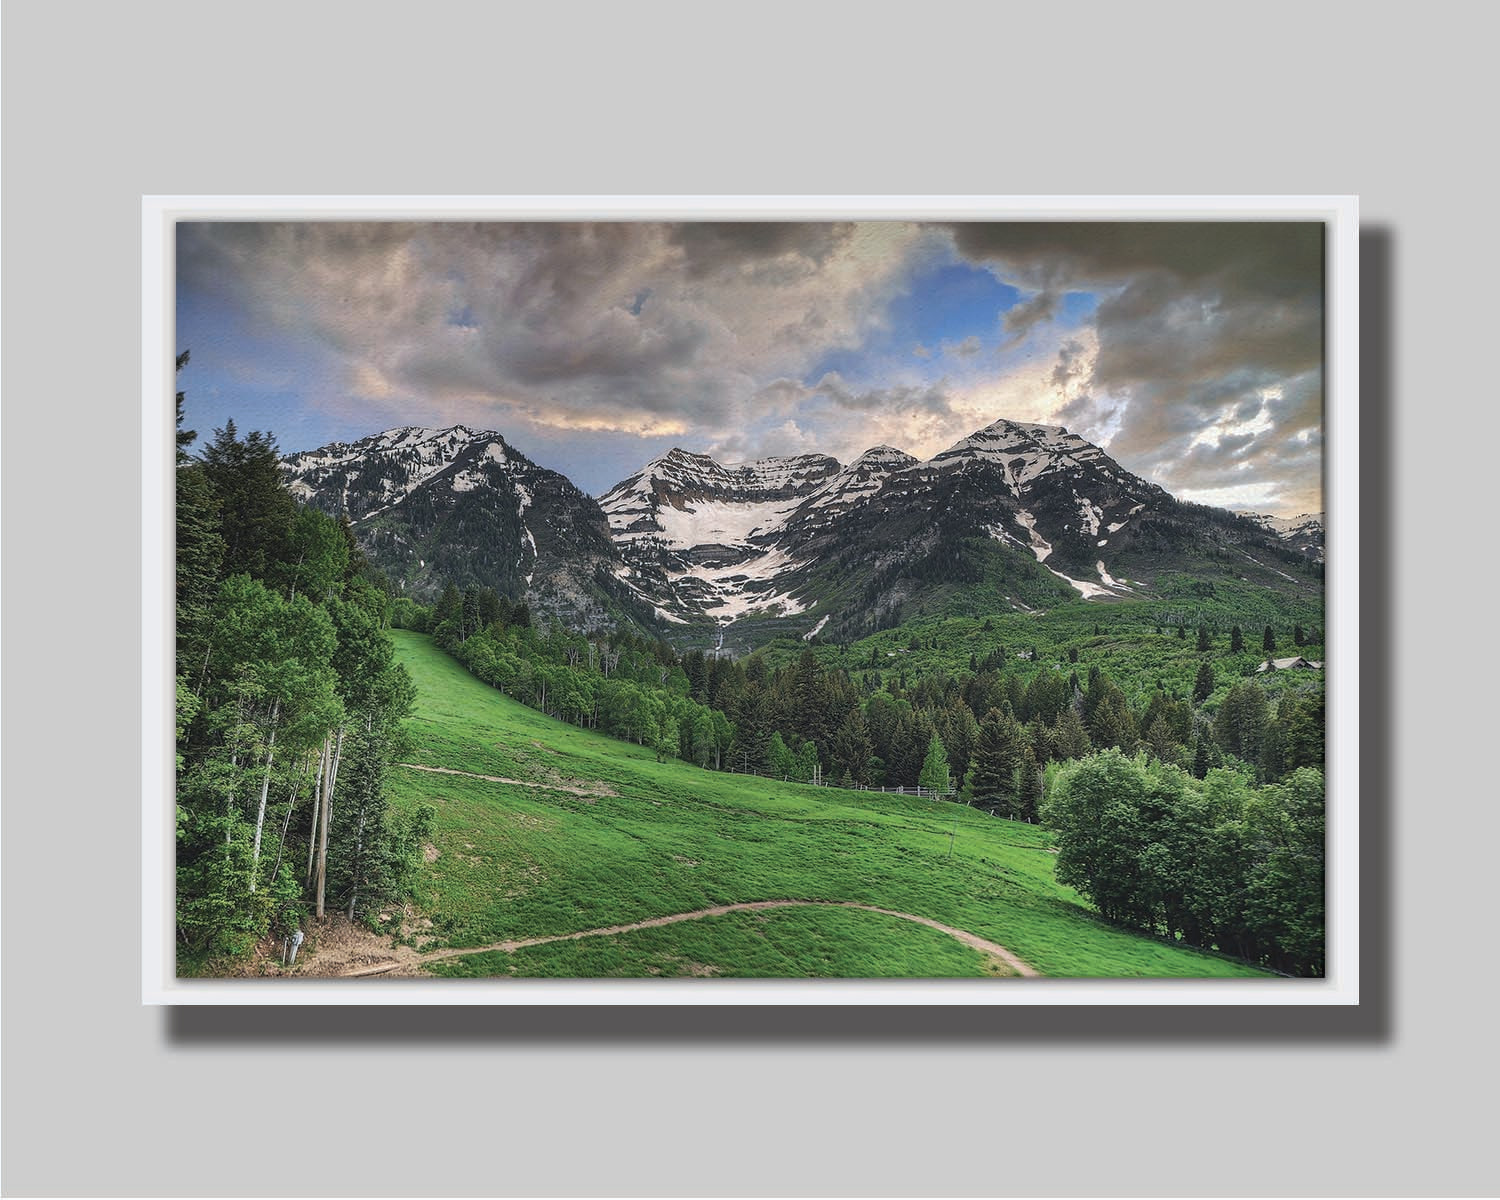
[
  {"x": 992, "y": 676},
  {"x": 289, "y": 710}
]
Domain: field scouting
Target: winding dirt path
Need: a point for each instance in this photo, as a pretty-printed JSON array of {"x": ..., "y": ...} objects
[{"x": 983, "y": 945}]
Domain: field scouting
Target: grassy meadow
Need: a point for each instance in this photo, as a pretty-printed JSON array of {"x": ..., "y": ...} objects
[{"x": 637, "y": 839}]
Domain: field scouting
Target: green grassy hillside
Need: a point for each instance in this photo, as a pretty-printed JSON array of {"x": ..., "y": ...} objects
[{"x": 594, "y": 832}]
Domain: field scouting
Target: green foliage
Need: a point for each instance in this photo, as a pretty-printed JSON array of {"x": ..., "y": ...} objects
[
  {"x": 652, "y": 839},
  {"x": 1203, "y": 685},
  {"x": 992, "y": 781},
  {"x": 256, "y": 512},
  {"x": 934, "y": 774},
  {"x": 1215, "y": 862},
  {"x": 284, "y": 669},
  {"x": 1240, "y": 725}
]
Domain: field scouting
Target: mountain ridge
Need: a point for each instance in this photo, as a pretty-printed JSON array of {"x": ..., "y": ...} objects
[{"x": 784, "y": 544}]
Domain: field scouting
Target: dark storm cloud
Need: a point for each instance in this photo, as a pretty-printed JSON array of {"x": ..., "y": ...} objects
[
  {"x": 1071, "y": 365},
  {"x": 1275, "y": 442},
  {"x": 713, "y": 246},
  {"x": 930, "y": 399},
  {"x": 634, "y": 325},
  {"x": 1274, "y": 258},
  {"x": 1198, "y": 324},
  {"x": 1027, "y": 315}
]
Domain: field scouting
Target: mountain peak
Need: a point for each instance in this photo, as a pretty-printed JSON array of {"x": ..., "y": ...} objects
[
  {"x": 1005, "y": 424},
  {"x": 883, "y": 454}
]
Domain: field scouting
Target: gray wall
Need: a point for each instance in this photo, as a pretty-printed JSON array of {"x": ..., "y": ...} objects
[{"x": 104, "y": 103}]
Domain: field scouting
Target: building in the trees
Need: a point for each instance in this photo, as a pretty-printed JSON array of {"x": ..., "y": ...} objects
[{"x": 1296, "y": 663}]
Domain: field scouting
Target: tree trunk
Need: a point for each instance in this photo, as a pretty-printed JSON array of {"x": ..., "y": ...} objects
[
  {"x": 333, "y": 774},
  {"x": 265, "y": 788},
  {"x": 359, "y": 838},
  {"x": 312, "y": 833},
  {"x": 291, "y": 804},
  {"x": 203, "y": 674}
]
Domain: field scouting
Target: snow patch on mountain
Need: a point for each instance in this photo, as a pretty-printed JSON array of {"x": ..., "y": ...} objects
[
  {"x": 1040, "y": 546},
  {"x": 1089, "y": 591},
  {"x": 1109, "y": 580},
  {"x": 417, "y": 455},
  {"x": 1303, "y": 533},
  {"x": 735, "y": 590},
  {"x": 721, "y": 522}
]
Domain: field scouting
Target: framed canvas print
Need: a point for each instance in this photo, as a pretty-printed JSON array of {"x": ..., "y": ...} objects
[{"x": 704, "y": 600}]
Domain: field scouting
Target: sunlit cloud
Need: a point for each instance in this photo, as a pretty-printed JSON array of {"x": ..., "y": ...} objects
[{"x": 1191, "y": 352}]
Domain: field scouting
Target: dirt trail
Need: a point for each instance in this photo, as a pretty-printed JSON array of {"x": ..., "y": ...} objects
[
  {"x": 600, "y": 790},
  {"x": 994, "y": 949}
]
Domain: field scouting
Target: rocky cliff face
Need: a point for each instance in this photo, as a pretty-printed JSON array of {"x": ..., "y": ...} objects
[
  {"x": 438, "y": 506},
  {"x": 1033, "y": 513},
  {"x": 1304, "y": 533},
  {"x": 790, "y": 538}
]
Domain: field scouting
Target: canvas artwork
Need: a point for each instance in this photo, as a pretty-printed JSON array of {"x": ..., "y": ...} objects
[{"x": 695, "y": 600}]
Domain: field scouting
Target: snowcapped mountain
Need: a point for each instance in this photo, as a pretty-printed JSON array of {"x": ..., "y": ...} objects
[
  {"x": 734, "y": 540},
  {"x": 688, "y": 502},
  {"x": 1303, "y": 533},
  {"x": 434, "y": 506},
  {"x": 697, "y": 537},
  {"x": 1013, "y": 516},
  {"x": 1039, "y": 512}
]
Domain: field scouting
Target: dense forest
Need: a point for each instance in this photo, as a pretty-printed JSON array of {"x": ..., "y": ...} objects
[{"x": 289, "y": 709}]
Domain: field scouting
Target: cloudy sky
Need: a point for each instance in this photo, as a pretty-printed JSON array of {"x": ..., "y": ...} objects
[{"x": 1190, "y": 351}]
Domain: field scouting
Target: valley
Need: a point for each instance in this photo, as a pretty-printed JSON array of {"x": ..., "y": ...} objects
[
  {"x": 1011, "y": 711},
  {"x": 596, "y": 833}
]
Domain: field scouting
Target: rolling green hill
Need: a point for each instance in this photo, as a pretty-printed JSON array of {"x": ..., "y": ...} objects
[{"x": 573, "y": 831}]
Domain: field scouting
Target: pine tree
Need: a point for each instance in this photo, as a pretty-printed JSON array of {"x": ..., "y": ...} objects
[
  {"x": 1203, "y": 642},
  {"x": 1029, "y": 786},
  {"x": 1111, "y": 722},
  {"x": 934, "y": 775},
  {"x": 1069, "y": 738},
  {"x": 184, "y": 436},
  {"x": 1305, "y": 728},
  {"x": 255, "y": 511},
  {"x": 852, "y": 746},
  {"x": 1268, "y": 642},
  {"x": 1200, "y": 757},
  {"x": 991, "y": 782},
  {"x": 1236, "y": 640},
  {"x": 1240, "y": 723},
  {"x": 807, "y": 763},
  {"x": 779, "y": 759},
  {"x": 1203, "y": 686}
]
